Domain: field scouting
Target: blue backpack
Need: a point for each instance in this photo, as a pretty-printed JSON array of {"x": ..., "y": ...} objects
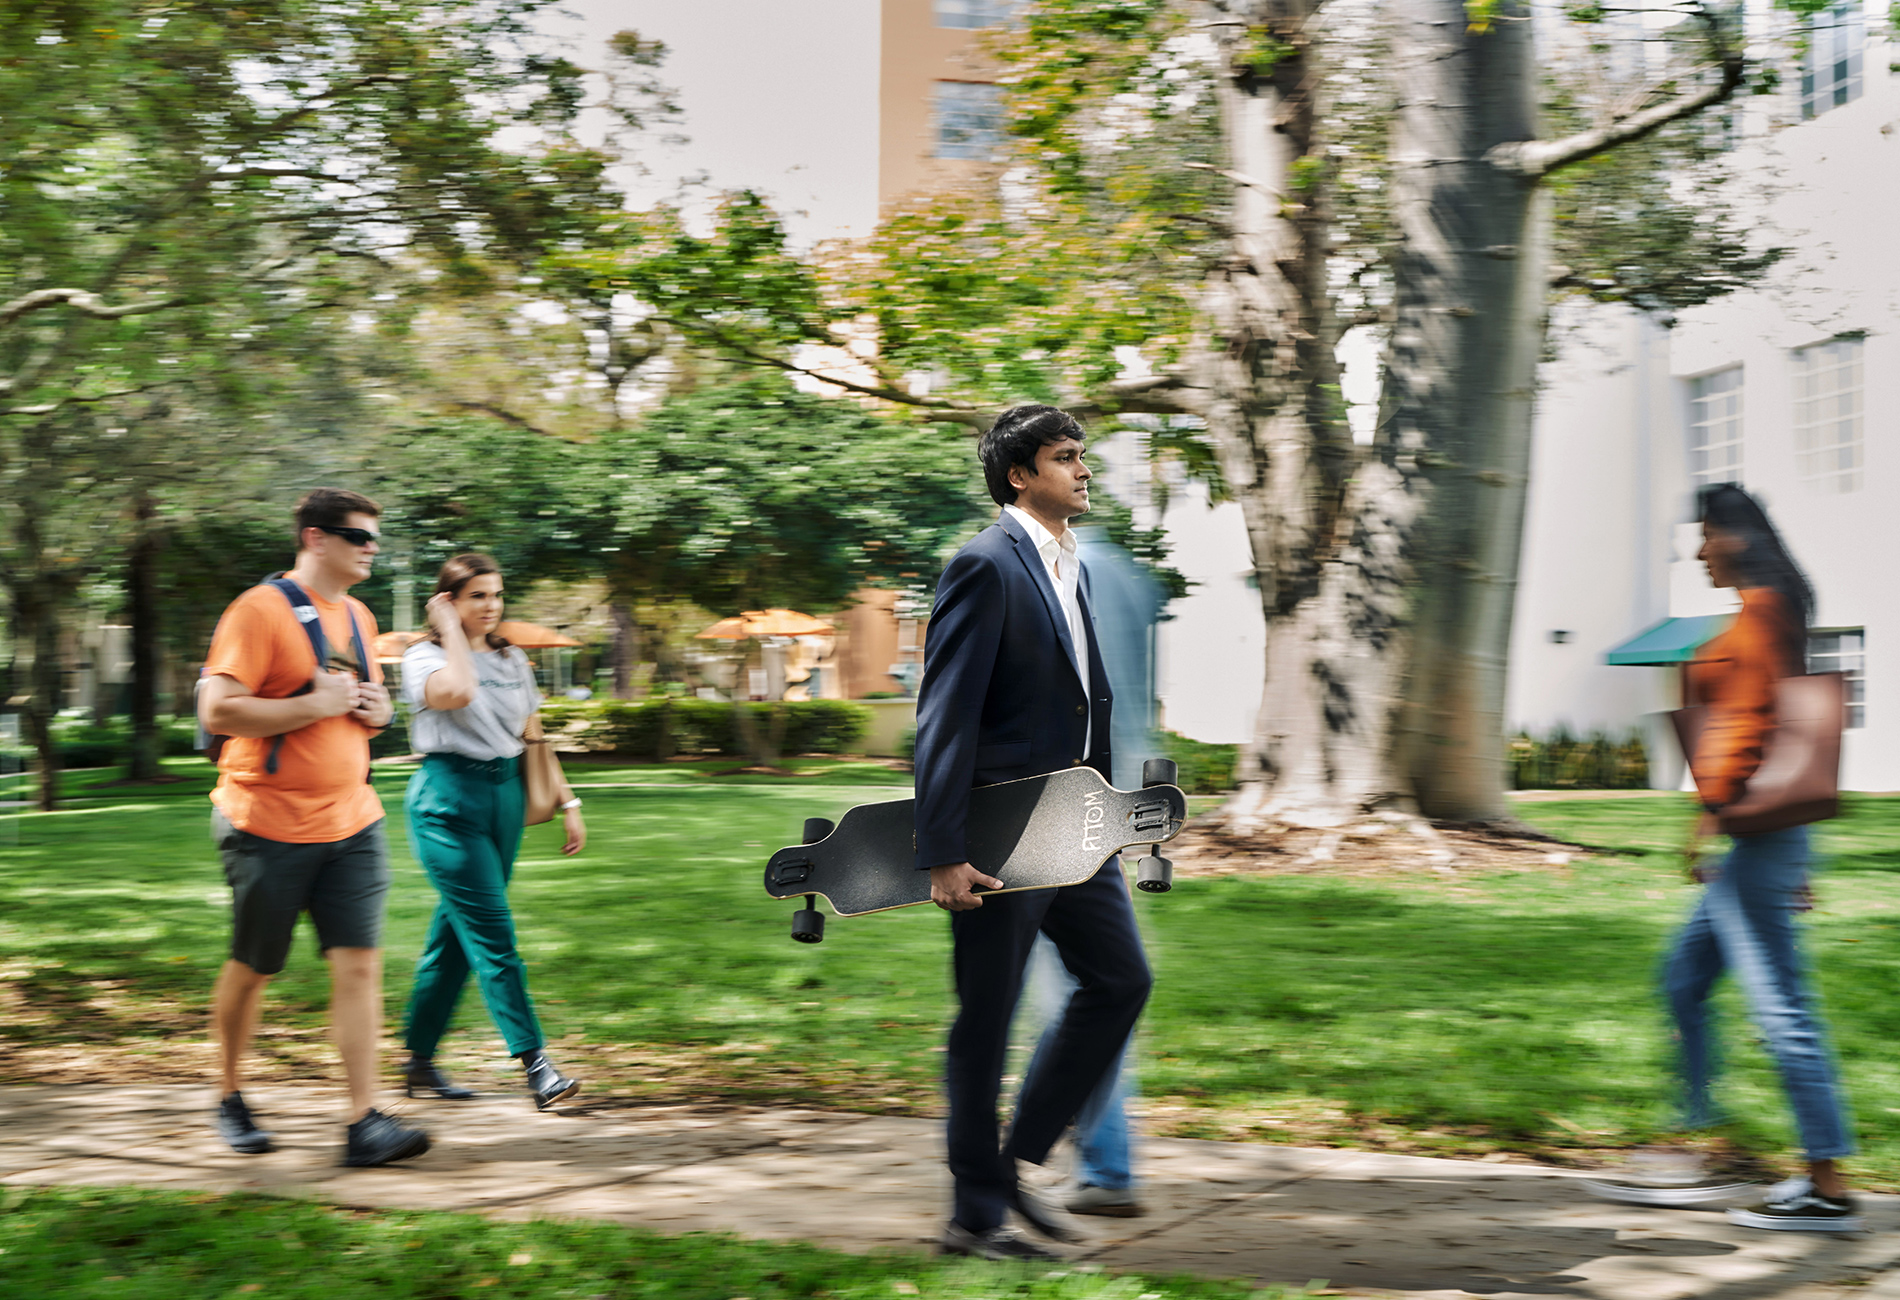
[{"x": 306, "y": 612}]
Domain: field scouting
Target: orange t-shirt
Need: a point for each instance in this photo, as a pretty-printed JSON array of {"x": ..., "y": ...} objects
[{"x": 319, "y": 794}]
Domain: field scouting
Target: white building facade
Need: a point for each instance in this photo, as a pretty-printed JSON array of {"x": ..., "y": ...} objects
[{"x": 1791, "y": 390}]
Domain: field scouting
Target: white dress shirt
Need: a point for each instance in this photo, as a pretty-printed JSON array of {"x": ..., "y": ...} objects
[{"x": 1060, "y": 561}]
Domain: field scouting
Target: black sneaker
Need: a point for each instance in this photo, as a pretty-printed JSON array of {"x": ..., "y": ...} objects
[
  {"x": 998, "y": 1243},
  {"x": 237, "y": 1127},
  {"x": 1794, "y": 1206},
  {"x": 379, "y": 1139}
]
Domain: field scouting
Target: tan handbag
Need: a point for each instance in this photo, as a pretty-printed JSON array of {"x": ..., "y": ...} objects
[
  {"x": 1799, "y": 780},
  {"x": 540, "y": 773}
]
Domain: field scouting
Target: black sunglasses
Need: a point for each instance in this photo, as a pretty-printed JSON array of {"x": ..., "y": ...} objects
[{"x": 354, "y": 536}]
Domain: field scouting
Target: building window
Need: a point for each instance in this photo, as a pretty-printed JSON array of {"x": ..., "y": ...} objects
[
  {"x": 1715, "y": 427},
  {"x": 969, "y": 120},
  {"x": 1830, "y": 70},
  {"x": 971, "y": 14},
  {"x": 1843, "y": 652},
  {"x": 1828, "y": 415}
]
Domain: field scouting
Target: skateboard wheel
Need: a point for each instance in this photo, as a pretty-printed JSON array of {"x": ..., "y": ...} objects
[
  {"x": 816, "y": 828},
  {"x": 1154, "y": 874},
  {"x": 808, "y": 925},
  {"x": 1159, "y": 771}
]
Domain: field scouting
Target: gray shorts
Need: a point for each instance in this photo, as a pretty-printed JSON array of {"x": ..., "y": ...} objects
[{"x": 342, "y": 884}]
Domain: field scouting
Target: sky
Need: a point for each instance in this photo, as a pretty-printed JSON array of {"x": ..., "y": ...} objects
[{"x": 778, "y": 96}]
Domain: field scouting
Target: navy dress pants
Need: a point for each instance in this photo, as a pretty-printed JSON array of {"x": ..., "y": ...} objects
[{"x": 1093, "y": 928}]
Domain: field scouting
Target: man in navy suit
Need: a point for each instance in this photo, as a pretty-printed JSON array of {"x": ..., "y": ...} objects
[{"x": 1013, "y": 687}]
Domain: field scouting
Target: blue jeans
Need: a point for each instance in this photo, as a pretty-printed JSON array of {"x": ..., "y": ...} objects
[
  {"x": 1745, "y": 923},
  {"x": 1102, "y": 1145}
]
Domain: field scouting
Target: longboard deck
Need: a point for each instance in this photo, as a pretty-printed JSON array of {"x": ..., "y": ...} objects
[{"x": 1042, "y": 832}]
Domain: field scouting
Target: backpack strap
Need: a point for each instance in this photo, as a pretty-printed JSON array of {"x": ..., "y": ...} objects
[{"x": 306, "y": 611}]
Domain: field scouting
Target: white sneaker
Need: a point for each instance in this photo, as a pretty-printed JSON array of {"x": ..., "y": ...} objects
[
  {"x": 1702, "y": 1193},
  {"x": 1109, "y": 1202}
]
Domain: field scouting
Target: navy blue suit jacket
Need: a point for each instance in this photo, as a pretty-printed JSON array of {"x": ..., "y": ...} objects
[{"x": 1001, "y": 698}]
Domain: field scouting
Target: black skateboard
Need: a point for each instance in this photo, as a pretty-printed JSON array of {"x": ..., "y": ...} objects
[{"x": 1042, "y": 832}]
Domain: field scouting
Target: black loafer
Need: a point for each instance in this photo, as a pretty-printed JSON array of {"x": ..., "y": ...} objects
[
  {"x": 379, "y": 1139},
  {"x": 547, "y": 1084},
  {"x": 420, "y": 1076},
  {"x": 238, "y": 1128}
]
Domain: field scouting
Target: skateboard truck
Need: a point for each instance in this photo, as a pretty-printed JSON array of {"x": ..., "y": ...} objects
[
  {"x": 808, "y": 923},
  {"x": 1154, "y": 874}
]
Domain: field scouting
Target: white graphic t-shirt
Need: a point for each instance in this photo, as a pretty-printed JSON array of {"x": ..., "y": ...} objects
[{"x": 490, "y": 727}]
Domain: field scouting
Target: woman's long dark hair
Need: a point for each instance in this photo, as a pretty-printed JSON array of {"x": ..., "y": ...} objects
[
  {"x": 457, "y": 574},
  {"x": 1764, "y": 561}
]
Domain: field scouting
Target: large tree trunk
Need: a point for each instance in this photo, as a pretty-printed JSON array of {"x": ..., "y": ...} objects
[
  {"x": 1268, "y": 396},
  {"x": 141, "y": 598},
  {"x": 1471, "y": 286},
  {"x": 626, "y": 648},
  {"x": 1387, "y": 629},
  {"x": 39, "y": 612}
]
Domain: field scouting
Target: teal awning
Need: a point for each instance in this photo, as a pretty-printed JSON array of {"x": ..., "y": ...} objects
[{"x": 1672, "y": 641}]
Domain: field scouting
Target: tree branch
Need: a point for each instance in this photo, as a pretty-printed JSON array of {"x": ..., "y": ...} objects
[
  {"x": 1538, "y": 158},
  {"x": 886, "y": 392},
  {"x": 47, "y": 408},
  {"x": 1238, "y": 178},
  {"x": 81, "y": 299},
  {"x": 500, "y": 413}
]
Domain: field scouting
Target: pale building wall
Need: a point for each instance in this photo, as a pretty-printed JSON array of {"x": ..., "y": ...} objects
[
  {"x": 916, "y": 55},
  {"x": 1612, "y": 438}
]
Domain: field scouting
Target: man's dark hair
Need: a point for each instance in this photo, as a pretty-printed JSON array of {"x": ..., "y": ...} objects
[
  {"x": 1015, "y": 438},
  {"x": 329, "y": 507}
]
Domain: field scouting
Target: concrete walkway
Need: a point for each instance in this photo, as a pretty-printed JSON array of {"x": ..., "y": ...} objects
[{"x": 1371, "y": 1223}]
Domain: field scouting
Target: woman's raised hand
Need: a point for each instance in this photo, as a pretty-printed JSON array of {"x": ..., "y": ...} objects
[{"x": 440, "y": 611}]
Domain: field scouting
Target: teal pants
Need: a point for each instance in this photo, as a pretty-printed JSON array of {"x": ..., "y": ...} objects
[{"x": 465, "y": 826}]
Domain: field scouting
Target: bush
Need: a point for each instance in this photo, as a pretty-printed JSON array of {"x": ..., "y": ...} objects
[
  {"x": 1205, "y": 768},
  {"x": 1561, "y": 761},
  {"x": 84, "y": 743},
  {"x": 661, "y": 728}
]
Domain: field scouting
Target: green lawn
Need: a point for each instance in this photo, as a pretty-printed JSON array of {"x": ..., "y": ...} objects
[
  {"x": 1462, "y": 1014},
  {"x": 104, "y": 1243}
]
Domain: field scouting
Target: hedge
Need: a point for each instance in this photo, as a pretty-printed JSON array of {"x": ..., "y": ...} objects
[
  {"x": 658, "y": 729},
  {"x": 1561, "y": 761},
  {"x": 1205, "y": 768},
  {"x": 84, "y": 743}
]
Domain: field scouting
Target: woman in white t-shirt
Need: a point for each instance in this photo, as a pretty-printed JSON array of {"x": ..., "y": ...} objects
[{"x": 471, "y": 693}]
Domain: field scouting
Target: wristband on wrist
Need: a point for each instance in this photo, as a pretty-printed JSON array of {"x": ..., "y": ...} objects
[{"x": 571, "y": 804}]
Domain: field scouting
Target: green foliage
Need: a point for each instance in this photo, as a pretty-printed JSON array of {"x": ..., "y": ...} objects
[
  {"x": 83, "y": 743},
  {"x": 1561, "y": 761},
  {"x": 1657, "y": 223},
  {"x": 662, "y": 728},
  {"x": 1204, "y": 767},
  {"x": 752, "y": 495}
]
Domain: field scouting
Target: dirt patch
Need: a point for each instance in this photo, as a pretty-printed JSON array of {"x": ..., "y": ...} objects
[{"x": 1368, "y": 849}]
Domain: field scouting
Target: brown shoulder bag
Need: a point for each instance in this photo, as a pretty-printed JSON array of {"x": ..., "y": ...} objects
[
  {"x": 540, "y": 773},
  {"x": 1799, "y": 780}
]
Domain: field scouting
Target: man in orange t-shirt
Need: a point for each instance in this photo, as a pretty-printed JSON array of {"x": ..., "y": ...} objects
[{"x": 296, "y": 820}]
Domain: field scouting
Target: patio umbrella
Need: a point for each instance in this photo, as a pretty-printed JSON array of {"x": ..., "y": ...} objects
[
  {"x": 389, "y": 646},
  {"x": 532, "y": 636},
  {"x": 765, "y": 622}
]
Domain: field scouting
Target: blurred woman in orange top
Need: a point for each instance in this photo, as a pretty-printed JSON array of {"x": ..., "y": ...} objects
[{"x": 1744, "y": 920}]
